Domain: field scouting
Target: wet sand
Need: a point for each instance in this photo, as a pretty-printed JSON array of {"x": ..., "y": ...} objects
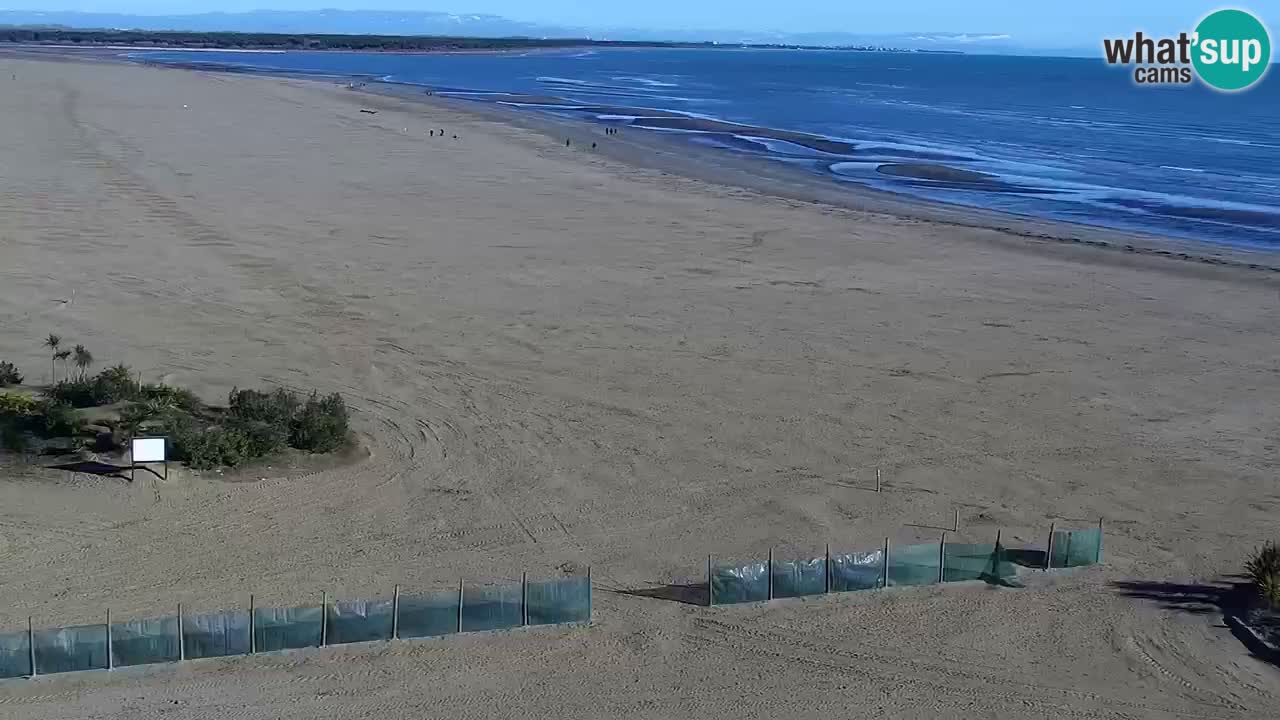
[{"x": 558, "y": 359}]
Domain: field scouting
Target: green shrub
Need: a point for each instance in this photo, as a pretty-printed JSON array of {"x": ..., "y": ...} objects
[
  {"x": 321, "y": 424},
  {"x": 18, "y": 405},
  {"x": 207, "y": 448},
  {"x": 9, "y": 375},
  {"x": 276, "y": 407},
  {"x": 12, "y": 437},
  {"x": 180, "y": 398},
  {"x": 60, "y": 420},
  {"x": 76, "y": 392},
  {"x": 1264, "y": 569},
  {"x": 134, "y": 416},
  {"x": 257, "y": 424},
  {"x": 262, "y": 438},
  {"x": 115, "y": 384}
]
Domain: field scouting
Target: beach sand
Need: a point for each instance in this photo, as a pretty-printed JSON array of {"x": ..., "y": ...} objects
[{"x": 557, "y": 360}]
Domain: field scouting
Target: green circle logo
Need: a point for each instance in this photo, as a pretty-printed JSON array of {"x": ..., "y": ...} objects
[{"x": 1232, "y": 50}]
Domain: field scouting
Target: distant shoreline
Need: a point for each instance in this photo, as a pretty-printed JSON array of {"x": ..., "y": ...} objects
[
  {"x": 229, "y": 41},
  {"x": 656, "y": 151}
]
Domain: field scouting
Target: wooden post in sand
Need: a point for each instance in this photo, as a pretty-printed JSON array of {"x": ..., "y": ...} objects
[
  {"x": 1048, "y": 553},
  {"x": 524, "y": 599},
  {"x": 460, "y": 586},
  {"x": 885, "y": 575},
  {"x": 877, "y": 478},
  {"x": 1097, "y": 556},
  {"x": 324, "y": 618},
  {"x": 770, "y": 576},
  {"x": 395, "y": 613},
  {"x": 826, "y": 571},
  {"x": 942, "y": 558},
  {"x": 110, "y": 662},
  {"x": 31, "y": 645},
  {"x": 182, "y": 640},
  {"x": 711, "y": 588},
  {"x": 253, "y": 634}
]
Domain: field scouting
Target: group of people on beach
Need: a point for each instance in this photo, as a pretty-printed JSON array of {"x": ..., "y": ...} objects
[{"x": 607, "y": 131}]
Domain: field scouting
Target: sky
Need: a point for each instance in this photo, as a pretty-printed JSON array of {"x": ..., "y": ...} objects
[{"x": 1032, "y": 21}]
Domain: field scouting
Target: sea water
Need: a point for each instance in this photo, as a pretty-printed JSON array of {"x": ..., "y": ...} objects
[{"x": 1059, "y": 138}]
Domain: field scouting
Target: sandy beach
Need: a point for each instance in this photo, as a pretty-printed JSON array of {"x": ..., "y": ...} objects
[{"x": 557, "y": 359}]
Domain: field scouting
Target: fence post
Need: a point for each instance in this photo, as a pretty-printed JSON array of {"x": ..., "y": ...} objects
[
  {"x": 31, "y": 645},
  {"x": 460, "y": 582},
  {"x": 1097, "y": 555},
  {"x": 885, "y": 578},
  {"x": 590, "y": 594},
  {"x": 182, "y": 638},
  {"x": 942, "y": 558},
  {"x": 955, "y": 526},
  {"x": 524, "y": 599},
  {"x": 826, "y": 572},
  {"x": 324, "y": 618},
  {"x": 253, "y": 627},
  {"x": 110, "y": 661},
  {"x": 711, "y": 589},
  {"x": 877, "y": 478},
  {"x": 1048, "y": 553},
  {"x": 395, "y": 614},
  {"x": 770, "y": 578}
]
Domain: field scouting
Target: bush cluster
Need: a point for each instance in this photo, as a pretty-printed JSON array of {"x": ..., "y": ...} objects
[
  {"x": 9, "y": 375},
  {"x": 255, "y": 423},
  {"x": 118, "y": 384},
  {"x": 258, "y": 424},
  {"x": 1263, "y": 568},
  {"x": 22, "y": 418},
  {"x": 113, "y": 385}
]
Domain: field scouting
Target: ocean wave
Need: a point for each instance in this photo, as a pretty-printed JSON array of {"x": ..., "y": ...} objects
[{"x": 645, "y": 81}]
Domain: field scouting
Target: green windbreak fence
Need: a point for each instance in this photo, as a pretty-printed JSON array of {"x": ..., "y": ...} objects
[
  {"x": 71, "y": 648},
  {"x": 857, "y": 571},
  {"x": 913, "y": 564},
  {"x": 559, "y": 601},
  {"x": 15, "y": 655},
  {"x": 359, "y": 621},
  {"x": 977, "y": 562},
  {"x": 796, "y": 578},
  {"x": 1076, "y": 548},
  {"x": 491, "y": 608},
  {"x": 904, "y": 566},
  {"x": 286, "y": 628},
  {"x": 222, "y": 634},
  {"x": 429, "y": 615},
  {"x": 739, "y": 583},
  {"x": 143, "y": 642},
  {"x": 216, "y": 634}
]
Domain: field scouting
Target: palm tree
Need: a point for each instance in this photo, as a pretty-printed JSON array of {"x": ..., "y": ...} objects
[
  {"x": 63, "y": 355},
  {"x": 52, "y": 342},
  {"x": 83, "y": 359}
]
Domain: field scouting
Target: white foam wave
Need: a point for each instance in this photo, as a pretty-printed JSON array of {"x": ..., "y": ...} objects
[{"x": 644, "y": 81}]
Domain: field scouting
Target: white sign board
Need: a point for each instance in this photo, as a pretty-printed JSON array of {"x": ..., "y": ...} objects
[{"x": 148, "y": 450}]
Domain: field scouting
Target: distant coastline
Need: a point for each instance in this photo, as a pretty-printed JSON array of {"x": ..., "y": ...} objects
[{"x": 188, "y": 40}]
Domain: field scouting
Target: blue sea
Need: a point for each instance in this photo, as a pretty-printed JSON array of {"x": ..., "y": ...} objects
[{"x": 1060, "y": 138}]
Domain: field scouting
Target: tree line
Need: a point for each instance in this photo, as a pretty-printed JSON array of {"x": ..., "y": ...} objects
[{"x": 283, "y": 41}]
